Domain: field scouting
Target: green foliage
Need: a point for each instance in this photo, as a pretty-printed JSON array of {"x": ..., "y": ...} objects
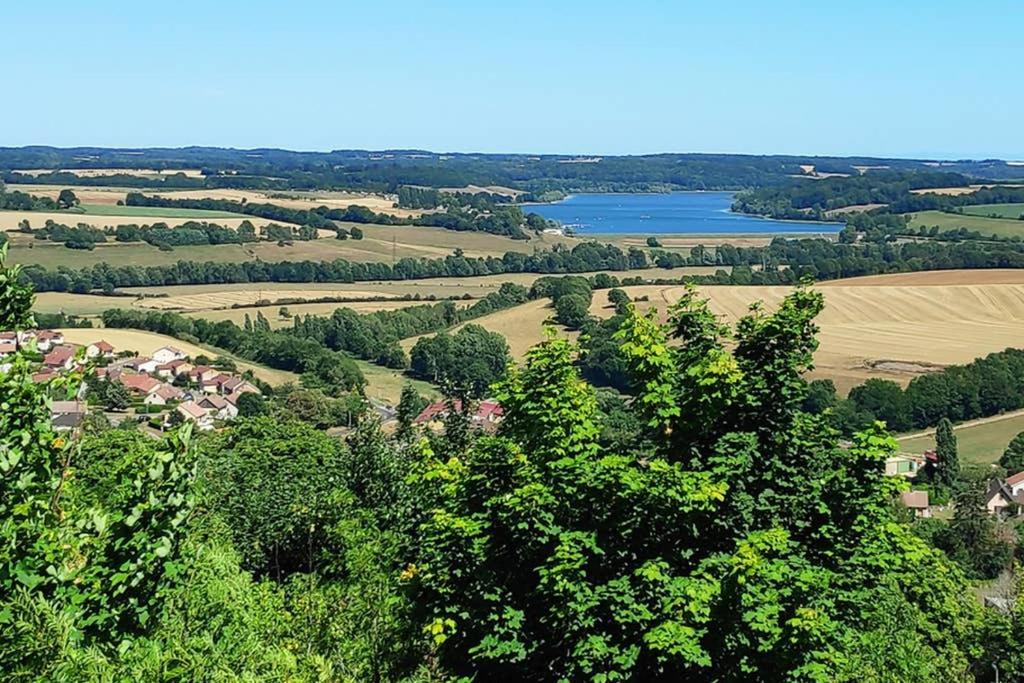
[
  {"x": 465, "y": 363},
  {"x": 947, "y": 465},
  {"x": 572, "y": 310},
  {"x": 410, "y": 404},
  {"x": 1012, "y": 459},
  {"x": 744, "y": 543},
  {"x": 271, "y": 481}
]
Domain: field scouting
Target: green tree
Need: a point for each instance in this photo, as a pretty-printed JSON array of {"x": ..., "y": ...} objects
[
  {"x": 572, "y": 310},
  {"x": 116, "y": 397},
  {"x": 744, "y": 543},
  {"x": 356, "y": 232},
  {"x": 653, "y": 242},
  {"x": 66, "y": 199},
  {"x": 974, "y": 539},
  {"x": 947, "y": 463},
  {"x": 821, "y": 395},
  {"x": 410, "y": 404},
  {"x": 251, "y": 404},
  {"x": 1012, "y": 459},
  {"x": 620, "y": 299}
]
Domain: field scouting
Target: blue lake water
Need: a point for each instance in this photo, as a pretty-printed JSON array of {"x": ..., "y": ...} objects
[{"x": 678, "y": 212}]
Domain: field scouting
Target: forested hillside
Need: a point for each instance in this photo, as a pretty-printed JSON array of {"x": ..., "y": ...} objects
[{"x": 387, "y": 170}]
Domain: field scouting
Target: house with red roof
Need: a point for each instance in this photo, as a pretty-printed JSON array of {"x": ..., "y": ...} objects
[
  {"x": 487, "y": 415},
  {"x": 61, "y": 358},
  {"x": 193, "y": 412},
  {"x": 99, "y": 349},
  {"x": 139, "y": 384}
]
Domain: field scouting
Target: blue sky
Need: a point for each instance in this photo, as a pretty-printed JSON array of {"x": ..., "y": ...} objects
[{"x": 913, "y": 78}]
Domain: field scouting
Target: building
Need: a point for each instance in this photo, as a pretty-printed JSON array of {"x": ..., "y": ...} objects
[
  {"x": 65, "y": 415},
  {"x": 903, "y": 465},
  {"x": 100, "y": 349},
  {"x": 192, "y": 412},
  {"x": 141, "y": 364},
  {"x": 201, "y": 373},
  {"x": 163, "y": 395},
  {"x": 173, "y": 368},
  {"x": 487, "y": 415},
  {"x": 139, "y": 384},
  {"x": 48, "y": 339},
  {"x": 1016, "y": 483},
  {"x": 215, "y": 384},
  {"x": 218, "y": 407},
  {"x": 61, "y": 358},
  {"x": 1000, "y": 499},
  {"x": 166, "y": 354},
  {"x": 916, "y": 502},
  {"x": 237, "y": 385}
]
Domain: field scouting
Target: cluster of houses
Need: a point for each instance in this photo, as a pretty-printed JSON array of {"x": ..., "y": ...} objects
[
  {"x": 1003, "y": 497},
  {"x": 165, "y": 379},
  {"x": 486, "y": 416}
]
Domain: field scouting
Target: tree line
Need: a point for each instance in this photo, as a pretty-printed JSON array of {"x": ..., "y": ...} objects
[{"x": 482, "y": 216}]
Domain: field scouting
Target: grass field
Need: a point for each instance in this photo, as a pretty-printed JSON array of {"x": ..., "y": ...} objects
[
  {"x": 148, "y": 342},
  {"x": 893, "y": 326},
  {"x": 986, "y": 226},
  {"x": 386, "y": 385},
  {"x": 955, "y": 191},
  {"x": 980, "y": 444},
  {"x": 1013, "y": 211}
]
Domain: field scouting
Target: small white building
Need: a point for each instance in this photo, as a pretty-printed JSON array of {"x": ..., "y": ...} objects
[{"x": 166, "y": 354}]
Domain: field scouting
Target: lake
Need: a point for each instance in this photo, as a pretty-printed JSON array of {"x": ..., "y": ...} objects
[{"x": 677, "y": 212}]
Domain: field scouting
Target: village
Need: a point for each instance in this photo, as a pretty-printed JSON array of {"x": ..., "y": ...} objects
[
  {"x": 158, "y": 391},
  {"x": 168, "y": 387}
]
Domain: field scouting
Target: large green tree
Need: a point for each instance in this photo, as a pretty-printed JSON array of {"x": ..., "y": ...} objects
[
  {"x": 947, "y": 463},
  {"x": 744, "y": 544}
]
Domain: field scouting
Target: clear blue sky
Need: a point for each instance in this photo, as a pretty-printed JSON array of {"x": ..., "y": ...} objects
[{"x": 886, "y": 78}]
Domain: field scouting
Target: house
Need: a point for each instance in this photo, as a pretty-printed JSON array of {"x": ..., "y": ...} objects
[
  {"x": 61, "y": 358},
  {"x": 192, "y": 412},
  {"x": 903, "y": 465},
  {"x": 163, "y": 395},
  {"x": 140, "y": 364},
  {"x": 237, "y": 385},
  {"x": 1000, "y": 499},
  {"x": 7, "y": 347},
  {"x": 166, "y": 354},
  {"x": 218, "y": 407},
  {"x": 201, "y": 373},
  {"x": 1016, "y": 483},
  {"x": 44, "y": 375},
  {"x": 215, "y": 384},
  {"x": 916, "y": 502},
  {"x": 100, "y": 349},
  {"x": 139, "y": 384},
  {"x": 66, "y": 415},
  {"x": 173, "y": 368},
  {"x": 488, "y": 414},
  {"x": 48, "y": 339}
]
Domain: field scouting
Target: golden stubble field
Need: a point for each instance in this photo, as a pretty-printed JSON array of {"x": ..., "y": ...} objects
[
  {"x": 9, "y": 220},
  {"x": 895, "y": 326},
  {"x": 293, "y": 199}
]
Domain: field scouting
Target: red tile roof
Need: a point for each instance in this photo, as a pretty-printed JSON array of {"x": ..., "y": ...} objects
[
  {"x": 59, "y": 356},
  {"x": 1015, "y": 479},
  {"x": 103, "y": 346},
  {"x": 141, "y": 383}
]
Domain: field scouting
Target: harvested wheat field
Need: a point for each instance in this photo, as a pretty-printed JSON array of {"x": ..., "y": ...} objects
[
  {"x": 297, "y": 199},
  {"x": 97, "y": 172},
  {"x": 251, "y": 295},
  {"x": 895, "y": 326},
  {"x": 148, "y": 342},
  {"x": 957, "y": 191},
  {"x": 9, "y": 219}
]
